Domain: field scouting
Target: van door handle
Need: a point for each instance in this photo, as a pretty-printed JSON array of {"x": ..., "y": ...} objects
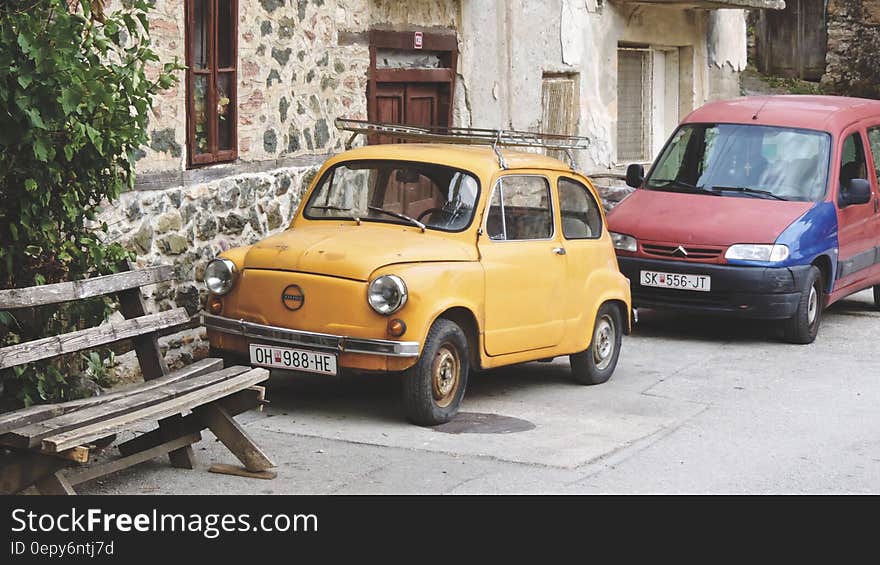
[{"x": 559, "y": 250}]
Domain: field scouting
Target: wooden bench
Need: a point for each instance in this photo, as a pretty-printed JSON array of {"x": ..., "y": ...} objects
[{"x": 48, "y": 446}]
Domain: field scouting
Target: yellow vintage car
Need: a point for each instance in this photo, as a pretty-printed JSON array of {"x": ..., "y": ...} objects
[{"x": 429, "y": 261}]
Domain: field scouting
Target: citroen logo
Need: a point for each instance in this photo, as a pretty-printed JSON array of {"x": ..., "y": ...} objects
[
  {"x": 680, "y": 251},
  {"x": 292, "y": 297}
]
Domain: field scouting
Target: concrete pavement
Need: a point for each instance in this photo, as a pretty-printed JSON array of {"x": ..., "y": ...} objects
[{"x": 697, "y": 405}]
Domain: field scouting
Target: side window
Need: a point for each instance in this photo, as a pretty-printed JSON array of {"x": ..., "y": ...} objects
[
  {"x": 581, "y": 218},
  {"x": 520, "y": 209},
  {"x": 852, "y": 160},
  {"x": 874, "y": 142}
]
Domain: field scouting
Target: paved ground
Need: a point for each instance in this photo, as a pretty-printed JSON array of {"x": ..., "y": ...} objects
[{"x": 696, "y": 406}]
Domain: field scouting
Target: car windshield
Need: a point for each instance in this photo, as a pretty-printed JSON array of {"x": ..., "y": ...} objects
[
  {"x": 745, "y": 161},
  {"x": 402, "y": 192}
]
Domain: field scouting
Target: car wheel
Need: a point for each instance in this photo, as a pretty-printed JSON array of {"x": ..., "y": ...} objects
[
  {"x": 596, "y": 363},
  {"x": 434, "y": 386},
  {"x": 803, "y": 327},
  {"x": 877, "y": 296}
]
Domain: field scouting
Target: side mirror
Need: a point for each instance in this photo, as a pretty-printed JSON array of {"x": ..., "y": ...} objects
[
  {"x": 857, "y": 191},
  {"x": 635, "y": 175}
]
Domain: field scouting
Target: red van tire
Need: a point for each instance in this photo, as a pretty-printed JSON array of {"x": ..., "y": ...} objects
[
  {"x": 803, "y": 327},
  {"x": 597, "y": 362},
  {"x": 877, "y": 296},
  {"x": 434, "y": 387}
]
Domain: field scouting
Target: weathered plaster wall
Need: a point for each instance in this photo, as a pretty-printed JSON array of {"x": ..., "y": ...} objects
[
  {"x": 502, "y": 73},
  {"x": 727, "y": 52},
  {"x": 853, "y": 43}
]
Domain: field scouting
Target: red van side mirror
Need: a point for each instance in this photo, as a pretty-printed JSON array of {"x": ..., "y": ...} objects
[
  {"x": 856, "y": 191},
  {"x": 635, "y": 175}
]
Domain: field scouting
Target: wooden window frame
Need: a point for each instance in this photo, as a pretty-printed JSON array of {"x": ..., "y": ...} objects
[{"x": 215, "y": 154}]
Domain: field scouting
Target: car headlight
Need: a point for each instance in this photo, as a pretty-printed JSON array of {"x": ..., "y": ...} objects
[
  {"x": 387, "y": 294},
  {"x": 220, "y": 276},
  {"x": 753, "y": 252},
  {"x": 624, "y": 242}
]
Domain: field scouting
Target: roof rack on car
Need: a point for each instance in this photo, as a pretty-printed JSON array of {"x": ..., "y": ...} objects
[{"x": 467, "y": 136}]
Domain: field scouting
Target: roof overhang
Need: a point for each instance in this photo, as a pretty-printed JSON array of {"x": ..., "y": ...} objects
[{"x": 714, "y": 4}]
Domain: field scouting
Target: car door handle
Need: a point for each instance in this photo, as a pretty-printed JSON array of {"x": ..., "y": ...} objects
[{"x": 559, "y": 250}]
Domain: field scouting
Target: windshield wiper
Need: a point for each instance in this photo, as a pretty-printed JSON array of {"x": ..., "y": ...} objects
[
  {"x": 340, "y": 208},
  {"x": 670, "y": 183},
  {"x": 413, "y": 221},
  {"x": 747, "y": 190}
]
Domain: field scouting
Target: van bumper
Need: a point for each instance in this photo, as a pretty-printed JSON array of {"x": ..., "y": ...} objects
[{"x": 770, "y": 293}]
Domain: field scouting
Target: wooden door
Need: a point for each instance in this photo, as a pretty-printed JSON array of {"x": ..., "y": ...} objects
[{"x": 792, "y": 42}]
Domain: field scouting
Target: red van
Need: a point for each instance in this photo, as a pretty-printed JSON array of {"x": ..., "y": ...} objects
[{"x": 763, "y": 207}]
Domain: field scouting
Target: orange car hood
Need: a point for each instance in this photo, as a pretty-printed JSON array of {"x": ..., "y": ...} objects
[{"x": 352, "y": 251}]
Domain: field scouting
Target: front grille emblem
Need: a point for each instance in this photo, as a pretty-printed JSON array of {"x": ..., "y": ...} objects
[
  {"x": 681, "y": 251},
  {"x": 292, "y": 297}
]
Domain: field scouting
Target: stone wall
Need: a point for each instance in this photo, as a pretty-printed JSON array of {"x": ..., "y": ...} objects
[
  {"x": 853, "y": 44},
  {"x": 302, "y": 63}
]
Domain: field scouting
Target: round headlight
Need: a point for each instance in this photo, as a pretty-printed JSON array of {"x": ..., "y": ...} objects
[
  {"x": 387, "y": 294},
  {"x": 220, "y": 276}
]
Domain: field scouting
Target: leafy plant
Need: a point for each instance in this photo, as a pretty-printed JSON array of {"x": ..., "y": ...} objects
[{"x": 76, "y": 88}]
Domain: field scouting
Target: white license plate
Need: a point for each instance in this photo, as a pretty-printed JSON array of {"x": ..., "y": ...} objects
[
  {"x": 702, "y": 283},
  {"x": 293, "y": 359}
]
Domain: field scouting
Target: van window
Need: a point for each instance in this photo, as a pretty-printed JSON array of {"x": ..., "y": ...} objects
[
  {"x": 852, "y": 160},
  {"x": 520, "y": 209},
  {"x": 874, "y": 142},
  {"x": 743, "y": 160}
]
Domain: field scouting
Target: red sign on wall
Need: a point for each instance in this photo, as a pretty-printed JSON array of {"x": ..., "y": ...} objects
[{"x": 417, "y": 40}]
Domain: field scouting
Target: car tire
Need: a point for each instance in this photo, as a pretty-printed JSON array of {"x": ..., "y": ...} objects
[
  {"x": 803, "y": 327},
  {"x": 434, "y": 387},
  {"x": 877, "y": 296},
  {"x": 597, "y": 362}
]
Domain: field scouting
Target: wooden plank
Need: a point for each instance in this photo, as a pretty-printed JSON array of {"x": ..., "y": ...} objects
[
  {"x": 34, "y": 414},
  {"x": 235, "y": 438},
  {"x": 153, "y": 366},
  {"x": 78, "y": 454},
  {"x": 32, "y": 436},
  {"x": 188, "y": 401},
  {"x": 241, "y": 472},
  {"x": 86, "y": 288},
  {"x": 55, "y": 484},
  {"x": 78, "y": 476},
  {"x": 89, "y": 338},
  {"x": 19, "y": 470},
  {"x": 234, "y": 404},
  {"x": 152, "y": 363}
]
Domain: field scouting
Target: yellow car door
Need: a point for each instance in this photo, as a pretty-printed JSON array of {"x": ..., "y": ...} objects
[
  {"x": 581, "y": 226},
  {"x": 524, "y": 266}
]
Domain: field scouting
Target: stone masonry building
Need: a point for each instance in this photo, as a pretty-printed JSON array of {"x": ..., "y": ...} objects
[{"x": 235, "y": 144}]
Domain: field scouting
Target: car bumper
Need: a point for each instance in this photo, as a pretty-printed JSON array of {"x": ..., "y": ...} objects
[
  {"x": 310, "y": 340},
  {"x": 751, "y": 292}
]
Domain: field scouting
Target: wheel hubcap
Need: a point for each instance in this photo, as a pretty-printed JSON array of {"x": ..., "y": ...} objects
[
  {"x": 445, "y": 375},
  {"x": 813, "y": 305},
  {"x": 604, "y": 338}
]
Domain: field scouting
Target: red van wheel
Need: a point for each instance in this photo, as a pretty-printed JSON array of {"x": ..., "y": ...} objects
[{"x": 803, "y": 327}]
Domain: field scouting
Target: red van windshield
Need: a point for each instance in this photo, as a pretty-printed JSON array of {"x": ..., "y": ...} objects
[{"x": 744, "y": 160}]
